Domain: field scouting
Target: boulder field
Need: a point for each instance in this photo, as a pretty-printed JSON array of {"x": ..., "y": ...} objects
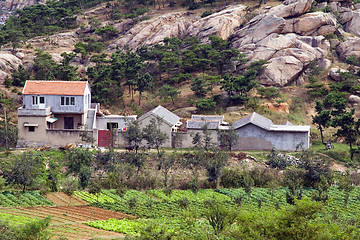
[{"x": 289, "y": 36}]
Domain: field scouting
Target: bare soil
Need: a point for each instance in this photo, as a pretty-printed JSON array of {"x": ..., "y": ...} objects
[
  {"x": 60, "y": 199},
  {"x": 68, "y": 221}
]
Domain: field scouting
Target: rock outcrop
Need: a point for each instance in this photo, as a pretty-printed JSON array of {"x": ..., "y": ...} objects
[
  {"x": 287, "y": 37},
  {"x": 20, "y": 4},
  {"x": 350, "y": 47},
  {"x": 334, "y": 74},
  {"x": 350, "y": 19},
  {"x": 177, "y": 24}
]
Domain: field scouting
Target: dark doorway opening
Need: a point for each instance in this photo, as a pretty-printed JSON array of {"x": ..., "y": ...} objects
[{"x": 68, "y": 123}]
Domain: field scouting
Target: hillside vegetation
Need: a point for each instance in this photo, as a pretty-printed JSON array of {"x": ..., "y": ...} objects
[{"x": 216, "y": 57}]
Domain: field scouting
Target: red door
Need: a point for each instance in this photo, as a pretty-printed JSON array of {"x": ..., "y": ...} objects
[{"x": 103, "y": 138}]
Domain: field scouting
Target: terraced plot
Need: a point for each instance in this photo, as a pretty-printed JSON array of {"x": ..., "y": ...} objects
[
  {"x": 68, "y": 220},
  {"x": 61, "y": 199}
]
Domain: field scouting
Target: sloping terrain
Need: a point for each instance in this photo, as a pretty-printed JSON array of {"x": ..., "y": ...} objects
[
  {"x": 68, "y": 221},
  {"x": 61, "y": 199}
]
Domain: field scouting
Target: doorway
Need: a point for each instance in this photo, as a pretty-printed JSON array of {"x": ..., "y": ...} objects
[{"x": 68, "y": 123}]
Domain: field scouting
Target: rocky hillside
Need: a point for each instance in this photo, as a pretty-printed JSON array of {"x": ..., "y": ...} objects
[
  {"x": 289, "y": 36},
  {"x": 19, "y": 4}
]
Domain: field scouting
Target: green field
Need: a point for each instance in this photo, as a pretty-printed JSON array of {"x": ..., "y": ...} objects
[
  {"x": 27, "y": 199},
  {"x": 183, "y": 212}
]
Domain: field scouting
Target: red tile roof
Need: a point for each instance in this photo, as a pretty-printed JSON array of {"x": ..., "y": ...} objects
[{"x": 76, "y": 88}]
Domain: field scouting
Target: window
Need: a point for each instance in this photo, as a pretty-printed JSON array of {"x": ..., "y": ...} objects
[
  {"x": 35, "y": 100},
  {"x": 67, "y": 101},
  {"x": 111, "y": 125},
  {"x": 31, "y": 129}
]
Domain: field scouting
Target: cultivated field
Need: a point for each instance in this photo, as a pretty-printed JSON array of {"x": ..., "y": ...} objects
[{"x": 67, "y": 221}]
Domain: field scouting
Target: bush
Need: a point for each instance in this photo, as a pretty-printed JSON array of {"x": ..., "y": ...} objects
[
  {"x": 135, "y": 12},
  {"x": 205, "y": 104},
  {"x": 277, "y": 160},
  {"x": 107, "y": 32},
  {"x": 353, "y": 60},
  {"x": 206, "y": 13},
  {"x": 263, "y": 176},
  {"x": 236, "y": 178},
  {"x": 270, "y": 92}
]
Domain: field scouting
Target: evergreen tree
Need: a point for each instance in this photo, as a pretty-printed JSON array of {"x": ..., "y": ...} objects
[{"x": 322, "y": 119}]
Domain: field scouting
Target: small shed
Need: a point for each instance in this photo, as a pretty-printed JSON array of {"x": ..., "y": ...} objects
[
  {"x": 170, "y": 122},
  {"x": 259, "y": 133}
]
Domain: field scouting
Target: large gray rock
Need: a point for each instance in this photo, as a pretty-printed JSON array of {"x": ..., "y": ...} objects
[
  {"x": 20, "y": 4},
  {"x": 177, "y": 24},
  {"x": 334, "y": 73},
  {"x": 221, "y": 23},
  {"x": 8, "y": 62},
  {"x": 316, "y": 23},
  {"x": 155, "y": 30},
  {"x": 353, "y": 26},
  {"x": 292, "y": 8},
  {"x": 257, "y": 29},
  {"x": 281, "y": 70},
  {"x": 354, "y": 99},
  {"x": 324, "y": 63},
  {"x": 285, "y": 38},
  {"x": 348, "y": 48}
]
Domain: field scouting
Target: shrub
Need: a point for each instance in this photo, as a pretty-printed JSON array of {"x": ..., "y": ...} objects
[
  {"x": 205, "y": 104},
  {"x": 220, "y": 217},
  {"x": 277, "y": 160},
  {"x": 263, "y": 176},
  {"x": 235, "y": 178},
  {"x": 270, "y": 92},
  {"x": 206, "y": 13}
]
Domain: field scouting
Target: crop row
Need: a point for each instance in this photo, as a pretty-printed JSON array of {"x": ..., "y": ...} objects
[
  {"x": 14, "y": 219},
  {"x": 26, "y": 199},
  {"x": 133, "y": 227},
  {"x": 158, "y": 204}
]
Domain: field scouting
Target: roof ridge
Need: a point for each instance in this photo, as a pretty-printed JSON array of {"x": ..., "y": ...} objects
[
  {"x": 252, "y": 116},
  {"x": 207, "y": 115},
  {"x": 203, "y": 120},
  {"x": 55, "y": 81}
]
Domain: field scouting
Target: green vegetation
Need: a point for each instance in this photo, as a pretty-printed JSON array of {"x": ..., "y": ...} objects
[
  {"x": 42, "y": 19},
  {"x": 24, "y": 229},
  {"x": 162, "y": 211},
  {"x": 27, "y": 199}
]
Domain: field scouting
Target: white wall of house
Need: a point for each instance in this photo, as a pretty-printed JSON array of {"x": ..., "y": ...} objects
[
  {"x": 187, "y": 138},
  {"x": 122, "y": 121},
  {"x": 54, "y": 101},
  {"x": 41, "y": 136},
  {"x": 252, "y": 137},
  {"x": 164, "y": 127}
]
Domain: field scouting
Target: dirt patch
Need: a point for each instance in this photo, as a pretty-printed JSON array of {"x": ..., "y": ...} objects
[
  {"x": 338, "y": 167},
  {"x": 61, "y": 199}
]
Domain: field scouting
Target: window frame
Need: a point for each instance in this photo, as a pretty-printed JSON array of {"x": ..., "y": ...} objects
[
  {"x": 114, "y": 125},
  {"x": 67, "y": 101},
  {"x": 35, "y": 100},
  {"x": 31, "y": 128}
]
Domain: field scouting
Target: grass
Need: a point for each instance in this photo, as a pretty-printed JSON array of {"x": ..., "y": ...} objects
[
  {"x": 260, "y": 156},
  {"x": 340, "y": 152}
]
